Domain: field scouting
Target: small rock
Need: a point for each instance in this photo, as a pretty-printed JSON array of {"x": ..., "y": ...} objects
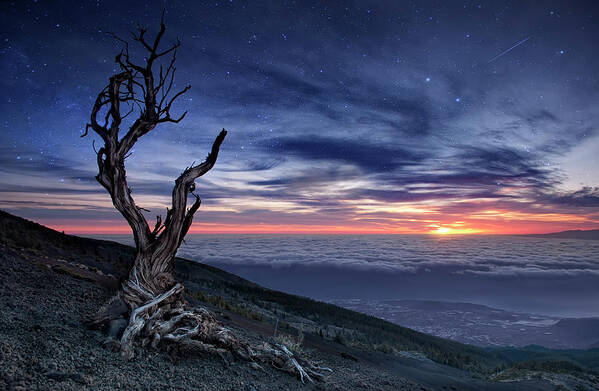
[
  {"x": 62, "y": 376},
  {"x": 112, "y": 344},
  {"x": 348, "y": 356},
  {"x": 116, "y": 327},
  {"x": 52, "y": 367}
]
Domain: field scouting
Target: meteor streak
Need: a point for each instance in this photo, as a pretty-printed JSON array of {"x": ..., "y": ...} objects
[{"x": 510, "y": 49}]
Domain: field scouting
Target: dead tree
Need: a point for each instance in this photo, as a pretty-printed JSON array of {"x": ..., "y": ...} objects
[{"x": 150, "y": 300}]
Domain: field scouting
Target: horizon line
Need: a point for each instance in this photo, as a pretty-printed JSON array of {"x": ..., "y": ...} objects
[{"x": 104, "y": 227}]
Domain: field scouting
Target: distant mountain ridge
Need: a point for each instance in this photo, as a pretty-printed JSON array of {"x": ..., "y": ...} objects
[{"x": 591, "y": 234}]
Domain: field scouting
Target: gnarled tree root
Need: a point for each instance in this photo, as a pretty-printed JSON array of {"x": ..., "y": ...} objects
[{"x": 163, "y": 322}]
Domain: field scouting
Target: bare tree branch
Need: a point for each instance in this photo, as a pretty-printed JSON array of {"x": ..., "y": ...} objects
[
  {"x": 135, "y": 85},
  {"x": 150, "y": 295}
]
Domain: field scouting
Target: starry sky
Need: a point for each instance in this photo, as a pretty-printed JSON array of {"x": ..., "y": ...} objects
[{"x": 343, "y": 116}]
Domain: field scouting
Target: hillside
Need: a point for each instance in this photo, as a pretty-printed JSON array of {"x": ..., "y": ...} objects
[
  {"x": 480, "y": 325},
  {"x": 62, "y": 278}
]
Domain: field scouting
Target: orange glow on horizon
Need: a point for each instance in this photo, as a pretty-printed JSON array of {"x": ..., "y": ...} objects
[
  {"x": 241, "y": 229},
  {"x": 206, "y": 228},
  {"x": 485, "y": 221},
  {"x": 442, "y": 231},
  {"x": 456, "y": 228}
]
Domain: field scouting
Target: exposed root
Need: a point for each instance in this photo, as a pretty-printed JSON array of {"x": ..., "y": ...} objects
[
  {"x": 139, "y": 318},
  {"x": 157, "y": 323},
  {"x": 283, "y": 359}
]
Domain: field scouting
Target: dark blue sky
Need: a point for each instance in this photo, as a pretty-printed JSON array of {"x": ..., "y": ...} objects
[{"x": 385, "y": 116}]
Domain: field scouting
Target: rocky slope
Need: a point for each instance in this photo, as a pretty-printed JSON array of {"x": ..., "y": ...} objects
[{"x": 43, "y": 344}]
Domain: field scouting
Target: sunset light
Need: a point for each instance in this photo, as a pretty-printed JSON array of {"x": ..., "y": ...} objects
[
  {"x": 442, "y": 231},
  {"x": 457, "y": 229}
]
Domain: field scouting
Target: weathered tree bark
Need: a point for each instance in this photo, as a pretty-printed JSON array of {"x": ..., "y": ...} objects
[{"x": 150, "y": 297}]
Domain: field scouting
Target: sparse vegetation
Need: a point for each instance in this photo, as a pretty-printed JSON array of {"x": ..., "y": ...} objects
[
  {"x": 222, "y": 303},
  {"x": 370, "y": 333},
  {"x": 66, "y": 270},
  {"x": 338, "y": 338},
  {"x": 543, "y": 359},
  {"x": 292, "y": 343}
]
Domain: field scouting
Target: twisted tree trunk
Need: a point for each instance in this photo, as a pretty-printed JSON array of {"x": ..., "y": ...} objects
[{"x": 150, "y": 301}]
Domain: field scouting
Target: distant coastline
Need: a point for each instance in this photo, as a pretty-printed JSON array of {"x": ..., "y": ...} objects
[{"x": 591, "y": 234}]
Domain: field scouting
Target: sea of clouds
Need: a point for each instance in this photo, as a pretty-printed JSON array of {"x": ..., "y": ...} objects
[
  {"x": 485, "y": 255},
  {"x": 558, "y": 277}
]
